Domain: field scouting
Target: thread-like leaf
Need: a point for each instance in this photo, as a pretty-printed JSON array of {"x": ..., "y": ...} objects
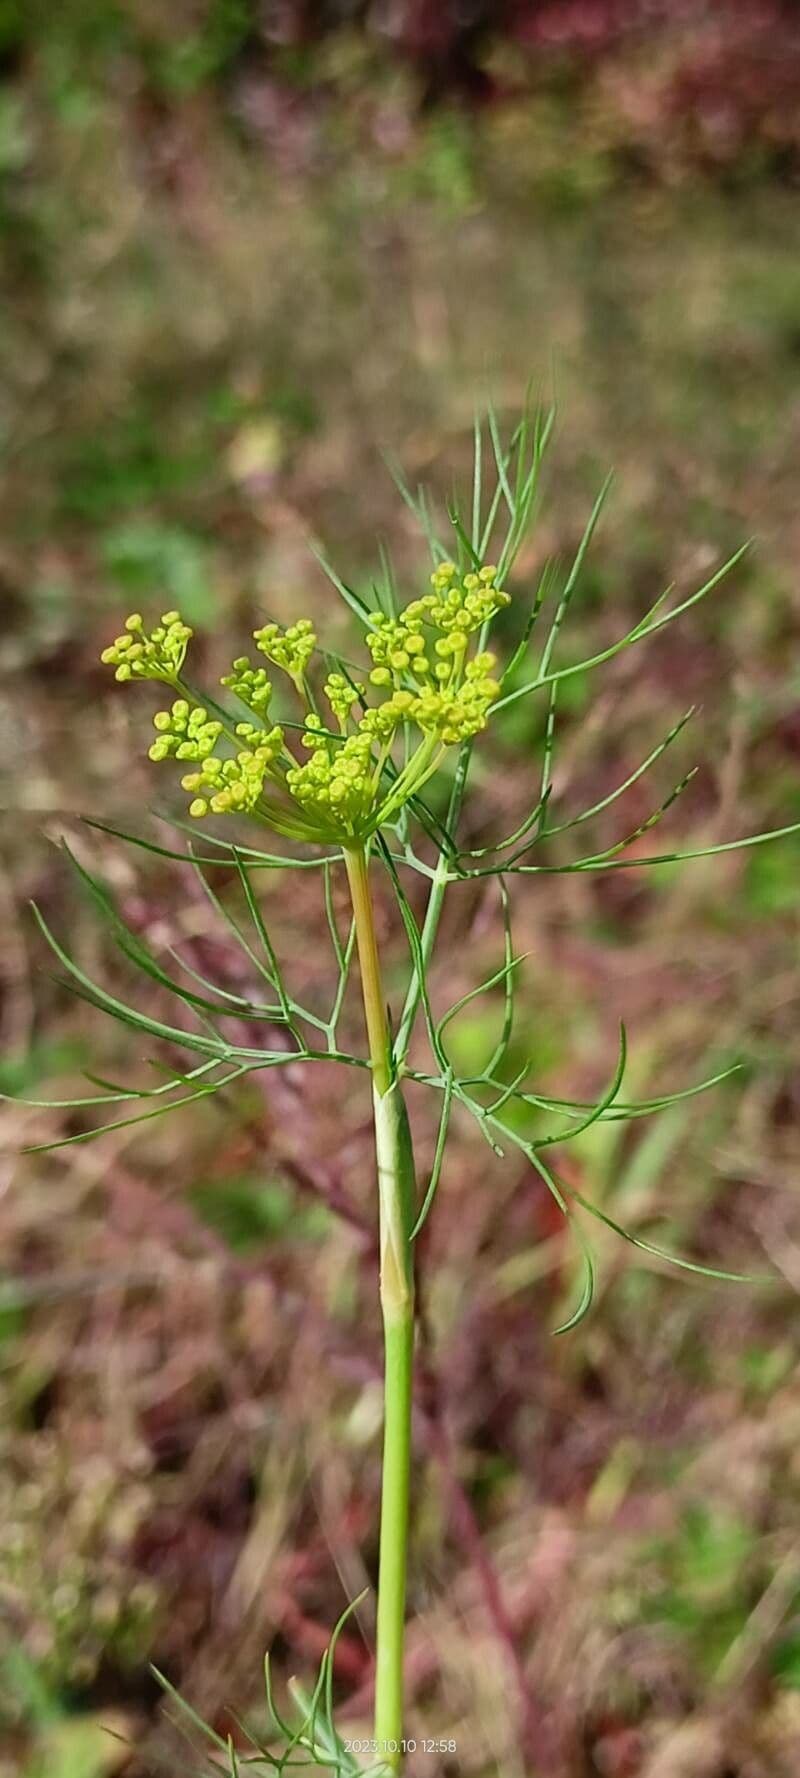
[
  {"x": 509, "y": 1090},
  {"x": 477, "y": 485},
  {"x": 540, "y": 595},
  {"x": 599, "y": 863},
  {"x": 418, "y": 959},
  {"x": 134, "y": 948},
  {"x": 573, "y": 577},
  {"x": 120, "y": 1009},
  {"x": 664, "y": 1253},
  {"x": 586, "y": 1298},
  {"x": 438, "y": 1158},
  {"x": 289, "y": 1007},
  {"x": 501, "y": 1049},
  {"x": 463, "y": 538},
  {"x": 113, "y": 1093},
  {"x": 352, "y": 599},
  {"x": 418, "y": 505},
  {"x": 623, "y": 1111},
  {"x": 268, "y": 970},
  {"x": 501, "y": 458},
  {"x": 492, "y": 981},
  {"x": 647, "y": 626},
  {"x": 256, "y": 859},
  {"x": 532, "y": 439},
  {"x": 386, "y": 589},
  {"x": 188, "y": 1711},
  {"x": 141, "y": 1117},
  {"x": 632, "y": 778},
  {"x": 348, "y": 1612},
  {"x": 272, "y": 1708},
  {"x": 596, "y": 1113}
]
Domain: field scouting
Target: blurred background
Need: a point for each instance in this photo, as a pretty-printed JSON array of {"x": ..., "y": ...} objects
[{"x": 247, "y": 248}]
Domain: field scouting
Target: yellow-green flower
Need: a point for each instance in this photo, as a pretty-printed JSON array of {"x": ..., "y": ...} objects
[
  {"x": 250, "y": 684},
  {"x": 157, "y": 654},
  {"x": 432, "y": 690},
  {"x": 184, "y": 732},
  {"x": 342, "y": 695},
  {"x": 233, "y": 786},
  {"x": 290, "y": 649}
]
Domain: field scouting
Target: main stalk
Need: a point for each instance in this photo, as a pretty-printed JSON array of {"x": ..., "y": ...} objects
[{"x": 396, "y": 1190}]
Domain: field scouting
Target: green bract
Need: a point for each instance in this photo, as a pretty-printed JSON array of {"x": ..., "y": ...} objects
[{"x": 433, "y": 686}]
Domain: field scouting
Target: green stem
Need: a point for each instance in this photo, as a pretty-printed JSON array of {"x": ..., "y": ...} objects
[
  {"x": 399, "y": 1360},
  {"x": 396, "y": 1191},
  {"x": 438, "y": 890}
]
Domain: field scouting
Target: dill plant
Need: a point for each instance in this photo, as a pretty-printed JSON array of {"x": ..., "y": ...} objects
[{"x": 342, "y": 780}]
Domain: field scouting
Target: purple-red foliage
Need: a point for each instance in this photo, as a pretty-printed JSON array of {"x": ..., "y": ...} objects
[
  {"x": 736, "y": 86},
  {"x": 720, "y": 78}
]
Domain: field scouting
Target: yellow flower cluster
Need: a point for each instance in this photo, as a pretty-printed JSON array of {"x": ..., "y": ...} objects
[
  {"x": 423, "y": 665},
  {"x": 456, "y": 609},
  {"x": 397, "y": 646},
  {"x": 338, "y": 780},
  {"x": 157, "y": 655},
  {"x": 455, "y": 715},
  {"x": 341, "y": 696},
  {"x": 233, "y": 786},
  {"x": 250, "y": 684},
  {"x": 290, "y": 649},
  {"x": 466, "y": 605},
  {"x": 184, "y": 732}
]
